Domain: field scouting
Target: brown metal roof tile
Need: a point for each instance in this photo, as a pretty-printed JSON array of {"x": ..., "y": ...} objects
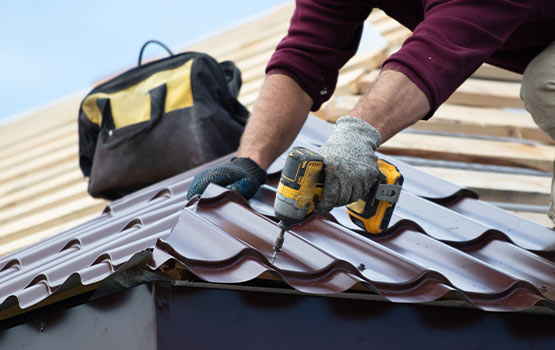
[
  {"x": 320, "y": 256},
  {"x": 442, "y": 243}
]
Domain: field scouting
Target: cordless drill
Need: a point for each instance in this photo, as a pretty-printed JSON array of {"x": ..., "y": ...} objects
[{"x": 302, "y": 183}]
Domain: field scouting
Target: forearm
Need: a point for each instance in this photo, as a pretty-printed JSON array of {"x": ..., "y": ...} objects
[
  {"x": 392, "y": 104},
  {"x": 278, "y": 115}
]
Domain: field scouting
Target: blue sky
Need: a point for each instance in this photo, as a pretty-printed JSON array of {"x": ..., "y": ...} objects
[{"x": 49, "y": 49}]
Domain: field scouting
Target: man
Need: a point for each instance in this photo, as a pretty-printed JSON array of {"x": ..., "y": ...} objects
[{"x": 450, "y": 40}]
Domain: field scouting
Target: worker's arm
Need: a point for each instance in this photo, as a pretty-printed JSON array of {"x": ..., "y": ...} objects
[
  {"x": 282, "y": 108},
  {"x": 279, "y": 113},
  {"x": 393, "y": 104},
  {"x": 322, "y": 36}
]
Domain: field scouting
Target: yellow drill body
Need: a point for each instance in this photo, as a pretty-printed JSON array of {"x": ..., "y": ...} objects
[{"x": 302, "y": 183}]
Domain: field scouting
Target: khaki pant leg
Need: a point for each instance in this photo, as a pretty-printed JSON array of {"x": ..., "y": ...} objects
[
  {"x": 551, "y": 212},
  {"x": 538, "y": 94}
]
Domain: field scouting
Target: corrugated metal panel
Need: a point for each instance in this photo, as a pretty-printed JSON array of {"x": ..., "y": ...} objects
[{"x": 442, "y": 243}]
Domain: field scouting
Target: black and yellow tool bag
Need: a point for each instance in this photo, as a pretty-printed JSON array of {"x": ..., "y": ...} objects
[{"x": 157, "y": 120}]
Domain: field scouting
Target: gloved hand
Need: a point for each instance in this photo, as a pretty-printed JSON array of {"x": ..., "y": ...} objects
[
  {"x": 350, "y": 163},
  {"x": 240, "y": 174}
]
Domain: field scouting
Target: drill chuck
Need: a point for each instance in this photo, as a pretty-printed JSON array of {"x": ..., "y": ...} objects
[{"x": 300, "y": 187}]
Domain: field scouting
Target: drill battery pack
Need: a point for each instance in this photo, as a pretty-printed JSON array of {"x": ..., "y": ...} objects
[{"x": 373, "y": 212}]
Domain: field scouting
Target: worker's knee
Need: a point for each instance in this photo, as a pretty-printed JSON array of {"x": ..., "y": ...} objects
[{"x": 538, "y": 90}]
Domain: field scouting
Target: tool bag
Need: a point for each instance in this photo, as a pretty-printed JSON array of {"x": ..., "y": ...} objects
[{"x": 157, "y": 120}]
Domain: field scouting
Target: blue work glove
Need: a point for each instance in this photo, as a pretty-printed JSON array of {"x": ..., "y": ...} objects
[
  {"x": 242, "y": 175},
  {"x": 350, "y": 163}
]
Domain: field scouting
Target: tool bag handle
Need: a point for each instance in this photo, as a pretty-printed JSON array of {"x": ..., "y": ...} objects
[
  {"x": 153, "y": 42},
  {"x": 157, "y": 107},
  {"x": 107, "y": 127}
]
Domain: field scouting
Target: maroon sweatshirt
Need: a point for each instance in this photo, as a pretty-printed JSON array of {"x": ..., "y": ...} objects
[{"x": 450, "y": 40}]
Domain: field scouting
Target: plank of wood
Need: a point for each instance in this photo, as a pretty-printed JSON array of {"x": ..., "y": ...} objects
[
  {"x": 473, "y": 92},
  {"x": 255, "y": 73},
  {"x": 39, "y": 204},
  {"x": 471, "y": 150},
  {"x": 368, "y": 60},
  {"x": 249, "y": 91},
  {"x": 42, "y": 120},
  {"x": 38, "y": 141},
  {"x": 377, "y": 16},
  {"x": 385, "y": 27},
  {"x": 498, "y": 187},
  {"x": 487, "y": 71},
  {"x": 397, "y": 38},
  {"x": 344, "y": 80},
  {"x": 460, "y": 119},
  {"x": 257, "y": 62},
  {"x": 40, "y": 189},
  {"x": 40, "y": 164},
  {"x": 71, "y": 210},
  {"x": 27, "y": 181},
  {"x": 254, "y": 48},
  {"x": 494, "y": 121},
  {"x": 63, "y": 223},
  {"x": 231, "y": 39},
  {"x": 488, "y": 93},
  {"x": 538, "y": 218},
  {"x": 38, "y": 152}
]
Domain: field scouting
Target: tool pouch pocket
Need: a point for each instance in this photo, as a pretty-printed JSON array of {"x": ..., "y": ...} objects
[{"x": 157, "y": 120}]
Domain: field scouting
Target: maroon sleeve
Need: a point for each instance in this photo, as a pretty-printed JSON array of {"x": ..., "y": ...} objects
[
  {"x": 454, "y": 39},
  {"x": 322, "y": 36}
]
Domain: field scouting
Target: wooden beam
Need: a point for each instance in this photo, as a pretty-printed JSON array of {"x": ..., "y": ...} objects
[
  {"x": 253, "y": 48},
  {"x": 54, "y": 216},
  {"x": 234, "y": 38},
  {"x": 38, "y": 141},
  {"x": 40, "y": 164},
  {"x": 34, "y": 153},
  {"x": 38, "y": 122},
  {"x": 39, "y": 230},
  {"x": 28, "y": 181},
  {"x": 377, "y": 16},
  {"x": 498, "y": 187},
  {"x": 487, "y": 71},
  {"x": 460, "y": 119},
  {"x": 39, "y": 189},
  {"x": 488, "y": 93},
  {"x": 538, "y": 218},
  {"x": 37, "y": 204},
  {"x": 471, "y": 150}
]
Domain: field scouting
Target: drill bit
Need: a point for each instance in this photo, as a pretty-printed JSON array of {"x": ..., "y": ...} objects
[{"x": 278, "y": 243}]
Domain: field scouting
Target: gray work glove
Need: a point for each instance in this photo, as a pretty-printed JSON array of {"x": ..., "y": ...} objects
[
  {"x": 350, "y": 163},
  {"x": 242, "y": 175}
]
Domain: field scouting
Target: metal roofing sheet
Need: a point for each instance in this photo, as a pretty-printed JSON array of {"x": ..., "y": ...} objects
[{"x": 443, "y": 242}]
